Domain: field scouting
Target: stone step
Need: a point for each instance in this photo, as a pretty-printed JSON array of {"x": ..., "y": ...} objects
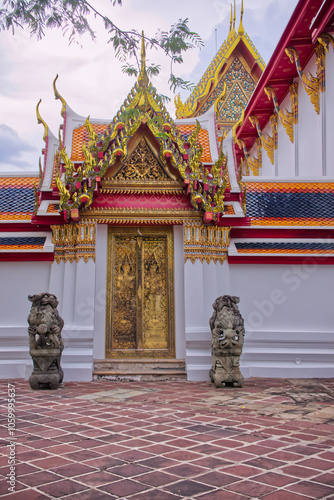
[{"x": 139, "y": 369}]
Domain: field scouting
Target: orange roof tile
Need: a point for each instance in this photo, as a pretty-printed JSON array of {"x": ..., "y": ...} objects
[
  {"x": 53, "y": 208},
  {"x": 17, "y": 197},
  {"x": 203, "y": 139},
  {"x": 229, "y": 210},
  {"x": 80, "y": 136}
]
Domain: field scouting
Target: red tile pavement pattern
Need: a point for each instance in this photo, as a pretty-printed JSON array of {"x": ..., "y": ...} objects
[{"x": 273, "y": 439}]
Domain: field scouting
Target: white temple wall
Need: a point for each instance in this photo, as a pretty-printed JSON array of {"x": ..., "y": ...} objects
[
  {"x": 74, "y": 285},
  {"x": 289, "y": 319},
  {"x": 18, "y": 279},
  {"x": 288, "y": 313},
  {"x": 203, "y": 284}
]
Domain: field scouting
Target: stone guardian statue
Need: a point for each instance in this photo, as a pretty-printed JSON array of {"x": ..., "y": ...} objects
[
  {"x": 227, "y": 328},
  {"x": 45, "y": 341}
]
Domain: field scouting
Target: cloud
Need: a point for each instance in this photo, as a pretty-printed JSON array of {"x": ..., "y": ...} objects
[{"x": 14, "y": 149}]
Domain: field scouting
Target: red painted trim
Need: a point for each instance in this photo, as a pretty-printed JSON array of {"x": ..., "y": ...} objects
[
  {"x": 47, "y": 220},
  {"x": 232, "y": 197},
  {"x": 281, "y": 233},
  {"x": 265, "y": 259},
  {"x": 48, "y": 195},
  {"x": 323, "y": 19},
  {"x": 237, "y": 221},
  {"x": 14, "y": 227},
  {"x": 27, "y": 257}
]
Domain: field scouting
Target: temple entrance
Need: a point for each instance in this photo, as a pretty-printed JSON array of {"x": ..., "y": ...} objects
[{"x": 140, "y": 293}]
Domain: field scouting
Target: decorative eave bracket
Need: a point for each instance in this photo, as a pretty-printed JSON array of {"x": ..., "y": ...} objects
[{"x": 310, "y": 83}]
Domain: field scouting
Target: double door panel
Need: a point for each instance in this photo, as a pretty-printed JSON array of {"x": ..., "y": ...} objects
[{"x": 140, "y": 293}]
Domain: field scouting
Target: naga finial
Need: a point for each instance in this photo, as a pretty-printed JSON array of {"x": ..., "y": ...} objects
[
  {"x": 143, "y": 78},
  {"x": 58, "y": 96},
  {"x": 40, "y": 120}
]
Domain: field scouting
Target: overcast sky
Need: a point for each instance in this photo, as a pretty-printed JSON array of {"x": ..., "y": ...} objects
[{"x": 90, "y": 78}]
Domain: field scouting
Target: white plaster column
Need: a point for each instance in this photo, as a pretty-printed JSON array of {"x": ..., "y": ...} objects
[
  {"x": 56, "y": 283},
  {"x": 100, "y": 290},
  {"x": 329, "y": 122},
  {"x": 180, "y": 336},
  {"x": 67, "y": 310}
]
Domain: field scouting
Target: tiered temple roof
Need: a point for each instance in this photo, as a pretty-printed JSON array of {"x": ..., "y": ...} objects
[
  {"x": 143, "y": 167},
  {"x": 229, "y": 81}
]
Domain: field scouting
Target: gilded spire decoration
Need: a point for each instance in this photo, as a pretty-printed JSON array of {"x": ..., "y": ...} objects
[
  {"x": 143, "y": 80},
  {"x": 40, "y": 120},
  {"x": 233, "y": 27},
  {"x": 58, "y": 96},
  {"x": 241, "y": 29}
]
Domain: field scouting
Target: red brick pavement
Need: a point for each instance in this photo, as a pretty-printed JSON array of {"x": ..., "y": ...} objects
[{"x": 273, "y": 439}]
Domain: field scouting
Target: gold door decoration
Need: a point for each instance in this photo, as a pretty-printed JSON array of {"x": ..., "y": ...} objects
[{"x": 140, "y": 293}]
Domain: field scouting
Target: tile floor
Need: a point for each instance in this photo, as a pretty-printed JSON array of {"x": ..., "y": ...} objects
[{"x": 273, "y": 439}]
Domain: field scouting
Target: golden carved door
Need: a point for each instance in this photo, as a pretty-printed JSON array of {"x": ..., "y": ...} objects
[{"x": 140, "y": 293}]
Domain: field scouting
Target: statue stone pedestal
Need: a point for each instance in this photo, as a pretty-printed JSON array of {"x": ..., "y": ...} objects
[
  {"x": 45, "y": 342},
  {"x": 47, "y": 372},
  {"x": 227, "y": 328}
]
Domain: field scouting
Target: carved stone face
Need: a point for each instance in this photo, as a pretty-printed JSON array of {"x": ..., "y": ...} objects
[
  {"x": 43, "y": 299},
  {"x": 225, "y": 319}
]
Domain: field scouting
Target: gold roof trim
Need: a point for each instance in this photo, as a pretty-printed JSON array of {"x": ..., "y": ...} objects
[{"x": 212, "y": 74}]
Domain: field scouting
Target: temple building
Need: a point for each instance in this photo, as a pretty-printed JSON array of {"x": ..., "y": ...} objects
[{"x": 138, "y": 223}]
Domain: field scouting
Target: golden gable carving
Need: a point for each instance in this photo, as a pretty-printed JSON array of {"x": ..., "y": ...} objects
[{"x": 141, "y": 165}]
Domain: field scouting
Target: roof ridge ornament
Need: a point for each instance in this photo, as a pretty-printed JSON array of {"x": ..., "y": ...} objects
[
  {"x": 58, "y": 96},
  {"x": 40, "y": 120}
]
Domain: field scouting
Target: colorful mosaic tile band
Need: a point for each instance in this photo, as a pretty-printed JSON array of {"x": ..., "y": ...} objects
[
  {"x": 22, "y": 243},
  {"x": 17, "y": 198},
  {"x": 290, "y": 204},
  {"x": 281, "y": 247}
]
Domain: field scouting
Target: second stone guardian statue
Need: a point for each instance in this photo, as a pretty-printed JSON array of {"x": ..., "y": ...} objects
[{"x": 227, "y": 328}]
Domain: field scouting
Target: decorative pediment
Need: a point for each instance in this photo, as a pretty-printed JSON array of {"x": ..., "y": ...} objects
[
  {"x": 236, "y": 60},
  {"x": 141, "y": 165},
  {"x": 141, "y": 168}
]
